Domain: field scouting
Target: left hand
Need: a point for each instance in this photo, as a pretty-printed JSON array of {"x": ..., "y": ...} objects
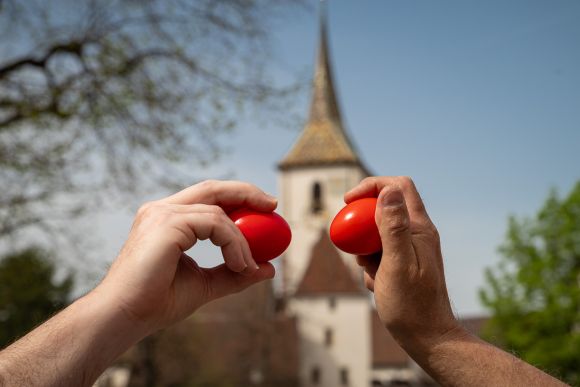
[{"x": 407, "y": 277}]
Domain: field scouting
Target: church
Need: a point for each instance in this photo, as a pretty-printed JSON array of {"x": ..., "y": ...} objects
[
  {"x": 316, "y": 326},
  {"x": 341, "y": 340}
]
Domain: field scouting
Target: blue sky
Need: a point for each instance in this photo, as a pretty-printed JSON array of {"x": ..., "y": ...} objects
[{"x": 478, "y": 101}]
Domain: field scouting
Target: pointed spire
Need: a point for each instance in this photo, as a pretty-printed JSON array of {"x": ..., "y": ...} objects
[
  {"x": 323, "y": 106},
  {"x": 323, "y": 140}
]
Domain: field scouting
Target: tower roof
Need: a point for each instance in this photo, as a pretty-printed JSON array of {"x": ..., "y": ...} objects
[
  {"x": 326, "y": 272},
  {"x": 324, "y": 140}
]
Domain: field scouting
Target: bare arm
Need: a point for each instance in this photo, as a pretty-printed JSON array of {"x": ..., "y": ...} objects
[
  {"x": 71, "y": 349},
  {"x": 151, "y": 285},
  {"x": 409, "y": 287},
  {"x": 461, "y": 359}
]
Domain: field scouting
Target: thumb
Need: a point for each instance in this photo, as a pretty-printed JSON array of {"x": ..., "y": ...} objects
[
  {"x": 392, "y": 218},
  {"x": 221, "y": 281}
]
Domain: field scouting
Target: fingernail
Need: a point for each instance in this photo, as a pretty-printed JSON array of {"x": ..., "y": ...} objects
[
  {"x": 393, "y": 198},
  {"x": 272, "y": 198}
]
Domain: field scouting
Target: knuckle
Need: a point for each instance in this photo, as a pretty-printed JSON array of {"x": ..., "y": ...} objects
[
  {"x": 406, "y": 182},
  {"x": 146, "y": 209},
  {"x": 239, "y": 183},
  {"x": 250, "y": 190},
  {"x": 209, "y": 182},
  {"x": 155, "y": 213},
  {"x": 198, "y": 207},
  {"x": 214, "y": 219},
  {"x": 397, "y": 224},
  {"x": 395, "y": 220},
  {"x": 369, "y": 180},
  {"x": 434, "y": 232},
  {"x": 217, "y": 211},
  {"x": 420, "y": 207},
  {"x": 398, "y": 230},
  {"x": 245, "y": 185},
  {"x": 209, "y": 185}
]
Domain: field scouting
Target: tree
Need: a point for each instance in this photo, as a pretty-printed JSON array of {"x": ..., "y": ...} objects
[
  {"x": 109, "y": 96},
  {"x": 29, "y": 295},
  {"x": 534, "y": 293}
]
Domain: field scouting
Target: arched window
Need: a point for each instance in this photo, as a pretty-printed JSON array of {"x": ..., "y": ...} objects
[
  {"x": 316, "y": 198},
  {"x": 332, "y": 303},
  {"x": 328, "y": 337},
  {"x": 315, "y": 375},
  {"x": 344, "y": 379}
]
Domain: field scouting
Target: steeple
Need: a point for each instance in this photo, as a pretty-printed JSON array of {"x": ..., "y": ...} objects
[
  {"x": 323, "y": 106},
  {"x": 324, "y": 140}
]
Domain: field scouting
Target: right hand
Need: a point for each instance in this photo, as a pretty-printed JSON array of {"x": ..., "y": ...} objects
[
  {"x": 154, "y": 283},
  {"x": 407, "y": 277}
]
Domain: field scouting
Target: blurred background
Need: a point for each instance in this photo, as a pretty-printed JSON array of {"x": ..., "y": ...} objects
[{"x": 107, "y": 104}]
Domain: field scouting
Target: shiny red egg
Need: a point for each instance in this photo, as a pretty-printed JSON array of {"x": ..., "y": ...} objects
[
  {"x": 267, "y": 233},
  {"x": 354, "y": 230}
]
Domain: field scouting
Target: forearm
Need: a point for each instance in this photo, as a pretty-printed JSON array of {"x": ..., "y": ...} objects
[
  {"x": 71, "y": 349},
  {"x": 461, "y": 359}
]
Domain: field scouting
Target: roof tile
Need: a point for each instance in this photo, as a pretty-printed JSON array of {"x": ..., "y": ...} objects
[
  {"x": 323, "y": 140},
  {"x": 326, "y": 272}
]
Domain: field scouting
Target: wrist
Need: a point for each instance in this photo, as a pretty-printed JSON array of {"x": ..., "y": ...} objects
[
  {"x": 117, "y": 316},
  {"x": 72, "y": 348},
  {"x": 423, "y": 344},
  {"x": 432, "y": 352}
]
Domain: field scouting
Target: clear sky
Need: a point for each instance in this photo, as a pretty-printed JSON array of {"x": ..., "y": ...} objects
[{"x": 478, "y": 101}]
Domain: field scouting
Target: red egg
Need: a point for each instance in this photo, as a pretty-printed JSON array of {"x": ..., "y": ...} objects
[
  {"x": 267, "y": 233},
  {"x": 354, "y": 230}
]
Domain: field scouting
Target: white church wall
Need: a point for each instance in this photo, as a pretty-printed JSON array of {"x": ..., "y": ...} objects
[
  {"x": 392, "y": 374},
  {"x": 296, "y": 193},
  {"x": 348, "y": 354}
]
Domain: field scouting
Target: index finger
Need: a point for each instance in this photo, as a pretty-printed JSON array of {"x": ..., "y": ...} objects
[
  {"x": 226, "y": 194},
  {"x": 372, "y": 186}
]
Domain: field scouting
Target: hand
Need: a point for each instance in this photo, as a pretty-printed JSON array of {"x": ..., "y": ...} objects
[
  {"x": 154, "y": 283},
  {"x": 407, "y": 277}
]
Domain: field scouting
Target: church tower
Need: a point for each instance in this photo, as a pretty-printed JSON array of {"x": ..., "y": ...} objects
[
  {"x": 322, "y": 286},
  {"x": 314, "y": 175}
]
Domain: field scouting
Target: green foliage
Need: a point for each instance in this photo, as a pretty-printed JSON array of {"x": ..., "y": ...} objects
[
  {"x": 534, "y": 293},
  {"x": 28, "y": 293}
]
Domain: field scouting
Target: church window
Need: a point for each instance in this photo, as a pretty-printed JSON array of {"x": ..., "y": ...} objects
[
  {"x": 328, "y": 337},
  {"x": 344, "y": 376},
  {"x": 332, "y": 303},
  {"x": 315, "y": 375},
  {"x": 316, "y": 198}
]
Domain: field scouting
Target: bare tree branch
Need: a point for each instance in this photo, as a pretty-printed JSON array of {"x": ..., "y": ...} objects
[
  {"x": 110, "y": 96},
  {"x": 70, "y": 47}
]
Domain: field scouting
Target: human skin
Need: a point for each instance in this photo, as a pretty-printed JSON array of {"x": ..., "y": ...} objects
[
  {"x": 153, "y": 284},
  {"x": 408, "y": 282},
  {"x": 150, "y": 285}
]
